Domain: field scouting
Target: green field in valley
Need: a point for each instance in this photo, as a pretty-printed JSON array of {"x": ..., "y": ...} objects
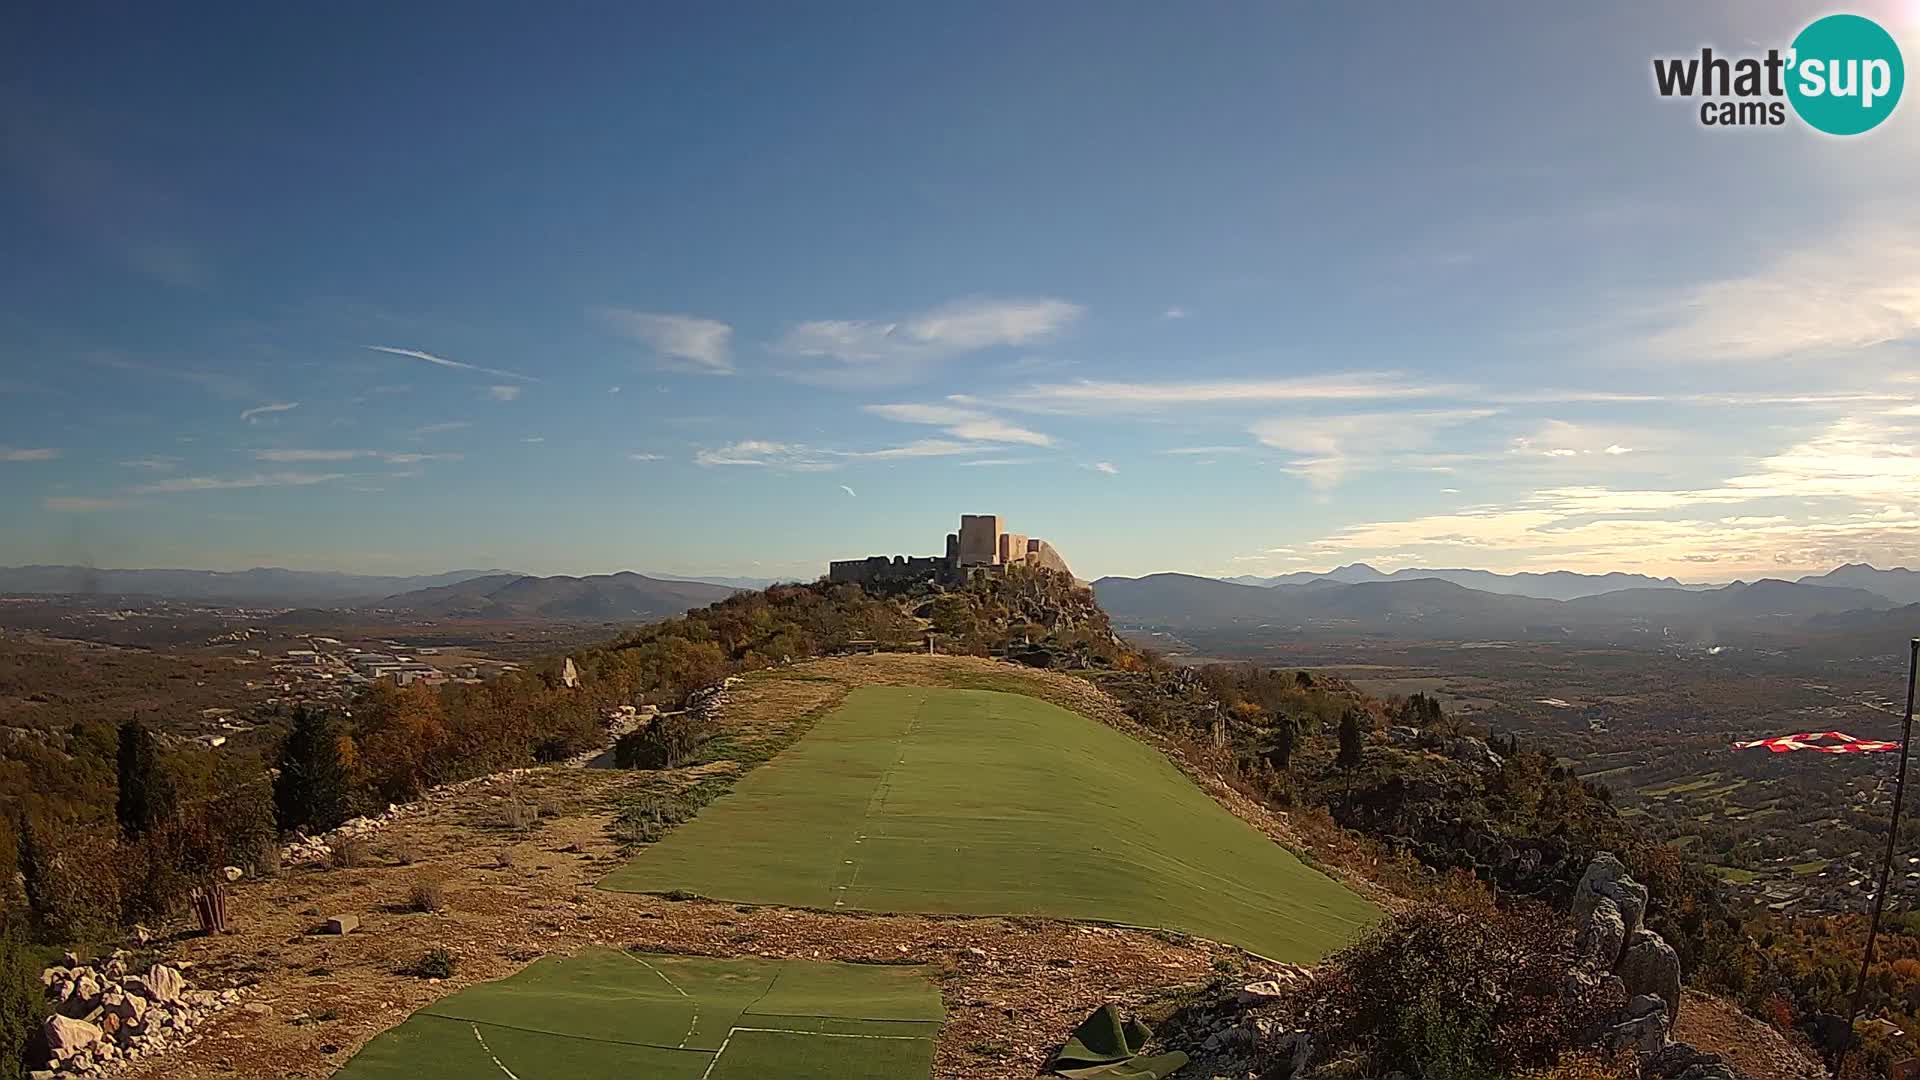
[
  {"x": 984, "y": 803},
  {"x": 604, "y": 1014}
]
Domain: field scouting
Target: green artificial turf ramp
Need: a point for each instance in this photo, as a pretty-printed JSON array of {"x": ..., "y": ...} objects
[
  {"x": 764, "y": 1055},
  {"x": 984, "y": 803},
  {"x": 605, "y": 1014}
]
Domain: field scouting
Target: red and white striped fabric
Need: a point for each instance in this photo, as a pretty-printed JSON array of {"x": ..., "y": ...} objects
[{"x": 1843, "y": 743}]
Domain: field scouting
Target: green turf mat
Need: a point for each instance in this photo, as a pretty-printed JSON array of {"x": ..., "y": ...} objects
[
  {"x": 983, "y": 803},
  {"x": 873, "y": 992},
  {"x": 598, "y": 994},
  {"x": 606, "y": 1014},
  {"x": 778, "y": 1055},
  {"x": 436, "y": 1048},
  {"x": 1105, "y": 1047}
]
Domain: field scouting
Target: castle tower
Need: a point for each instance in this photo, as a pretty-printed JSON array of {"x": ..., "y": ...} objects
[{"x": 980, "y": 539}]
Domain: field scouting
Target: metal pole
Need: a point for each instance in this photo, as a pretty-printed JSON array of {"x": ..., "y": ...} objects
[{"x": 1886, "y": 865}]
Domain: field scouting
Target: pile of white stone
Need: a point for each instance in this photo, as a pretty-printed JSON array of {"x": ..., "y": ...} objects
[
  {"x": 103, "y": 1016},
  {"x": 707, "y": 702}
]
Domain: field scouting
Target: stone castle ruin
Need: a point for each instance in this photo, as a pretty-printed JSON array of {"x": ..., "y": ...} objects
[{"x": 981, "y": 546}]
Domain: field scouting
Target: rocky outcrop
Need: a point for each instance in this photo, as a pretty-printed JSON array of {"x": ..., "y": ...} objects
[
  {"x": 1650, "y": 967},
  {"x": 1612, "y": 942},
  {"x": 103, "y": 1017},
  {"x": 1606, "y": 879}
]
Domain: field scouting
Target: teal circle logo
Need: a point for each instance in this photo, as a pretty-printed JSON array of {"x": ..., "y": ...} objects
[{"x": 1846, "y": 74}]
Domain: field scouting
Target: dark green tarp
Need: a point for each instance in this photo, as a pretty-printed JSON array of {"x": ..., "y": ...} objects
[{"x": 1105, "y": 1047}]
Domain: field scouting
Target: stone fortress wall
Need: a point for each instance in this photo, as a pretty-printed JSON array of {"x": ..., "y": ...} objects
[{"x": 981, "y": 546}]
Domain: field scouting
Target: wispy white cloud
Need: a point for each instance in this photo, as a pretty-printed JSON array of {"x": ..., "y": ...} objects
[
  {"x": 534, "y": 439},
  {"x": 1203, "y": 451},
  {"x": 646, "y": 457},
  {"x": 899, "y": 350},
  {"x": 503, "y": 393},
  {"x": 1843, "y": 494},
  {"x": 688, "y": 342},
  {"x": 82, "y": 504},
  {"x": 1174, "y": 313},
  {"x": 415, "y": 459},
  {"x": 441, "y": 428},
  {"x": 1104, "y": 467},
  {"x": 180, "y": 484},
  {"x": 1327, "y": 448},
  {"x": 291, "y": 456},
  {"x": 42, "y": 453},
  {"x": 849, "y": 491},
  {"x": 458, "y": 365},
  {"x": 253, "y": 415},
  {"x": 962, "y": 423},
  {"x": 1098, "y": 396},
  {"x": 996, "y": 461},
  {"x": 308, "y": 456},
  {"x": 1854, "y": 290},
  {"x": 157, "y": 463},
  {"x": 798, "y": 457}
]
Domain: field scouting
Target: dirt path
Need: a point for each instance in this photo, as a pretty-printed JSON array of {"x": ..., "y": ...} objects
[
  {"x": 1013, "y": 987},
  {"x": 1754, "y": 1048}
]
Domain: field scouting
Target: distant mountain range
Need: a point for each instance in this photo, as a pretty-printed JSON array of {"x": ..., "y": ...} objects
[
  {"x": 747, "y": 583},
  {"x": 1431, "y": 606},
  {"x": 623, "y": 596},
  {"x": 1898, "y": 584},
  {"x": 264, "y": 585},
  {"x": 276, "y": 587},
  {"x": 1554, "y": 585}
]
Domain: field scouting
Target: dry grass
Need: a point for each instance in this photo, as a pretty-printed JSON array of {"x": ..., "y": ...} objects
[
  {"x": 426, "y": 896},
  {"x": 349, "y": 852}
]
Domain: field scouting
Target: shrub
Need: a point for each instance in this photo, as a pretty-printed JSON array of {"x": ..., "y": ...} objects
[
  {"x": 155, "y": 874},
  {"x": 68, "y": 873},
  {"x": 240, "y": 818},
  {"x": 426, "y": 896},
  {"x": 666, "y": 743},
  {"x": 1450, "y": 995},
  {"x": 1579, "y": 1067},
  {"x": 519, "y": 816},
  {"x": 435, "y": 963},
  {"x": 646, "y": 817},
  {"x": 403, "y": 853},
  {"x": 21, "y": 1008},
  {"x": 349, "y": 852}
]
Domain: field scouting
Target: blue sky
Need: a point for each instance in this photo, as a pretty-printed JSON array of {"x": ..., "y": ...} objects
[{"x": 739, "y": 289}]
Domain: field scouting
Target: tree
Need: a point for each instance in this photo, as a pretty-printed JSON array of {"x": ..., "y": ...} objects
[
  {"x": 146, "y": 799},
  {"x": 1280, "y": 750},
  {"x": 1353, "y": 739},
  {"x": 21, "y": 1007},
  {"x": 311, "y": 791}
]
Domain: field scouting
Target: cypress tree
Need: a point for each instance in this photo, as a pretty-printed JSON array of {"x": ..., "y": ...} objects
[
  {"x": 311, "y": 791},
  {"x": 145, "y": 799},
  {"x": 1280, "y": 750},
  {"x": 1352, "y": 739}
]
